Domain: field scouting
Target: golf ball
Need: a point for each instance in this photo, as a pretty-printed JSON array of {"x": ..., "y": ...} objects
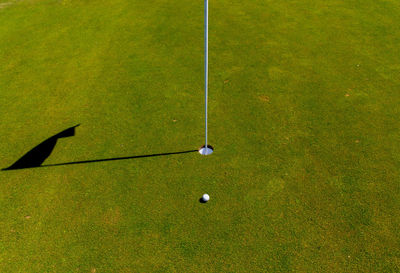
[{"x": 206, "y": 197}]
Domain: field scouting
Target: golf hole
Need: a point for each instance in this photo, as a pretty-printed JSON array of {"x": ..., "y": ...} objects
[{"x": 206, "y": 151}]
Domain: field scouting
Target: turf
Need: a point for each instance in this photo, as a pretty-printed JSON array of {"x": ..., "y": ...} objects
[{"x": 303, "y": 108}]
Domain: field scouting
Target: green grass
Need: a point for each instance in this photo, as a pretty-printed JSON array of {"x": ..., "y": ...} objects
[{"x": 304, "y": 117}]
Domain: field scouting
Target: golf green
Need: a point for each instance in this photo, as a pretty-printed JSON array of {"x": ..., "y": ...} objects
[{"x": 303, "y": 115}]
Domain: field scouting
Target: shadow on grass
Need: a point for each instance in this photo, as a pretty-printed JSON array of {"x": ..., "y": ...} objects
[
  {"x": 35, "y": 157},
  {"x": 116, "y": 158}
]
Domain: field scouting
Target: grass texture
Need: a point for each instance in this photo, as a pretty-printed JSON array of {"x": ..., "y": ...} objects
[{"x": 303, "y": 114}]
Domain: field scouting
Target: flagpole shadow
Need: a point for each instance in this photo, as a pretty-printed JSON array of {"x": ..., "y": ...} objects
[
  {"x": 115, "y": 158},
  {"x": 36, "y": 156},
  {"x": 100, "y": 160}
]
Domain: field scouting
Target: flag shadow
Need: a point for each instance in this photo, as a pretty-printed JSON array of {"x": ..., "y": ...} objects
[{"x": 36, "y": 156}]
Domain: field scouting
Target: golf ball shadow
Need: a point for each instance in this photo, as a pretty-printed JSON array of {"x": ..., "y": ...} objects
[{"x": 201, "y": 200}]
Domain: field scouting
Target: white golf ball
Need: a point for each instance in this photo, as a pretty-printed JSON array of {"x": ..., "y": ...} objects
[{"x": 206, "y": 197}]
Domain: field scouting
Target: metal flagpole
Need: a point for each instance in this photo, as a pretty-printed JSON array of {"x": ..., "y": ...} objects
[
  {"x": 206, "y": 150},
  {"x": 206, "y": 58}
]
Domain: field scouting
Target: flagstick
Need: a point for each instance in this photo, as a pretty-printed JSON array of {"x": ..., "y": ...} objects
[
  {"x": 206, "y": 58},
  {"x": 206, "y": 150}
]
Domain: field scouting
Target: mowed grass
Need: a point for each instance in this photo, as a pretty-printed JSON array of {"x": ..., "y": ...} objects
[{"x": 304, "y": 117}]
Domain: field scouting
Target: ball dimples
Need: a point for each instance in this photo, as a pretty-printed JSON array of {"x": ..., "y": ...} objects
[{"x": 206, "y": 197}]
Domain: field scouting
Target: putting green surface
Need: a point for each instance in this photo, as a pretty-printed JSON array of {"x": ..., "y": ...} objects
[{"x": 303, "y": 114}]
